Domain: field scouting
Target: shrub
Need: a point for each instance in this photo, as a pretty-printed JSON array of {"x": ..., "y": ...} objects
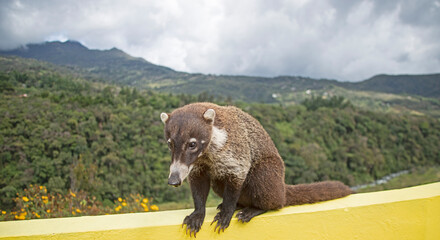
[{"x": 36, "y": 202}]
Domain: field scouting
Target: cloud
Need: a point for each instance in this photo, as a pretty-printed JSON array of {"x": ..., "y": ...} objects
[{"x": 344, "y": 40}]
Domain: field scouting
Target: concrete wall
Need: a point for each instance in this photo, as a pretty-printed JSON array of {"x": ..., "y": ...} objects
[{"x": 411, "y": 213}]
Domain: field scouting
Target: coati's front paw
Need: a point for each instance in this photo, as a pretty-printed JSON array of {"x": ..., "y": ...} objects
[
  {"x": 223, "y": 218},
  {"x": 194, "y": 222}
]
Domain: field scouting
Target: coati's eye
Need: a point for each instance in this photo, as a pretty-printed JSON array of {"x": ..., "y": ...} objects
[
  {"x": 192, "y": 145},
  {"x": 169, "y": 143}
]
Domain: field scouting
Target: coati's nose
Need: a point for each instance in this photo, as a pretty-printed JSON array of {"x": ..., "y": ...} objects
[{"x": 174, "y": 180}]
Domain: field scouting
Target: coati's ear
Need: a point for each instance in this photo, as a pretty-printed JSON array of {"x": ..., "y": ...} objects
[
  {"x": 209, "y": 114},
  {"x": 164, "y": 117}
]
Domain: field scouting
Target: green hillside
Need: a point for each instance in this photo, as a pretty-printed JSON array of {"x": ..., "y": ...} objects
[
  {"x": 116, "y": 67},
  {"x": 421, "y": 85},
  {"x": 71, "y": 134},
  {"x": 112, "y": 66}
]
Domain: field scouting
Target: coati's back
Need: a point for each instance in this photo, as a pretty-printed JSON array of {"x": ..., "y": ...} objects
[
  {"x": 242, "y": 129},
  {"x": 260, "y": 143}
]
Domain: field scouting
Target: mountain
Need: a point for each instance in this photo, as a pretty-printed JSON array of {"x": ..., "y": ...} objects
[
  {"x": 115, "y": 66},
  {"x": 112, "y": 65},
  {"x": 75, "y": 54},
  {"x": 422, "y": 85}
]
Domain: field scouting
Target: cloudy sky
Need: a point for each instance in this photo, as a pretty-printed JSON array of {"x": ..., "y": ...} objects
[{"x": 341, "y": 39}]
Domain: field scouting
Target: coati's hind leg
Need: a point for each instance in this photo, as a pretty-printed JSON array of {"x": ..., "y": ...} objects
[
  {"x": 246, "y": 214},
  {"x": 263, "y": 190}
]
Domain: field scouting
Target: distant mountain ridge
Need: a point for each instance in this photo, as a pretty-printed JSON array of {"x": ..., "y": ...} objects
[
  {"x": 74, "y": 53},
  {"x": 113, "y": 65},
  {"x": 116, "y": 66},
  {"x": 427, "y": 85}
]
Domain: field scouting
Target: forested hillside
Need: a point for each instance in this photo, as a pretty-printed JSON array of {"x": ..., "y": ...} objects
[
  {"x": 117, "y": 67},
  {"x": 423, "y": 85},
  {"x": 69, "y": 134},
  {"x": 113, "y": 66}
]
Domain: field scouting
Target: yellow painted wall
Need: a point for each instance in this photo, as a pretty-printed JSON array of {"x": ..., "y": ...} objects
[{"x": 411, "y": 213}]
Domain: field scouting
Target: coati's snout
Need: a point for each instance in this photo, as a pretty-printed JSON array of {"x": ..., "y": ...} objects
[
  {"x": 188, "y": 136},
  {"x": 178, "y": 172},
  {"x": 174, "y": 180}
]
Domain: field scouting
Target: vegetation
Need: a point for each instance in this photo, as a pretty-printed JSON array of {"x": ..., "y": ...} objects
[
  {"x": 116, "y": 67},
  {"x": 422, "y": 85},
  {"x": 36, "y": 202},
  {"x": 417, "y": 176},
  {"x": 104, "y": 142}
]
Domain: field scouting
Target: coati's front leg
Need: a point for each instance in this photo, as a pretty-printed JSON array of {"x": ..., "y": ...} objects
[
  {"x": 230, "y": 196},
  {"x": 199, "y": 188}
]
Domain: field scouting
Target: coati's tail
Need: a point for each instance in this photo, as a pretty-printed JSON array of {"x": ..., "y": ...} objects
[{"x": 315, "y": 192}]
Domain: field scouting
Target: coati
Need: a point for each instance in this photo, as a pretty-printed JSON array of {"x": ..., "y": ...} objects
[{"x": 228, "y": 150}]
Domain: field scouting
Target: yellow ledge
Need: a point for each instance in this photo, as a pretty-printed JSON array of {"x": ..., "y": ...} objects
[{"x": 411, "y": 213}]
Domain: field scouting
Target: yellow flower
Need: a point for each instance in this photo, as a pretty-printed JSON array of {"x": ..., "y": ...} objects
[
  {"x": 124, "y": 204},
  {"x": 25, "y": 199},
  {"x": 78, "y": 210},
  {"x": 37, "y": 215},
  {"x": 20, "y": 217},
  {"x": 144, "y": 205},
  {"x": 3, "y": 212},
  {"x": 146, "y": 209},
  {"x": 145, "y": 200},
  {"x": 119, "y": 199},
  {"x": 41, "y": 187},
  {"x": 73, "y": 213},
  {"x": 72, "y": 194},
  {"x": 154, "y": 207},
  {"x": 118, "y": 208},
  {"x": 48, "y": 210}
]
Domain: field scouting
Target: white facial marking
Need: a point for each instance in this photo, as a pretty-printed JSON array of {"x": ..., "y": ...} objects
[
  {"x": 180, "y": 168},
  {"x": 219, "y": 137},
  {"x": 169, "y": 143},
  {"x": 192, "y": 140}
]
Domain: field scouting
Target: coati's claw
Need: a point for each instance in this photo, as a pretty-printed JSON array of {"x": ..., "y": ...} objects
[
  {"x": 222, "y": 220},
  {"x": 193, "y": 223},
  {"x": 246, "y": 214}
]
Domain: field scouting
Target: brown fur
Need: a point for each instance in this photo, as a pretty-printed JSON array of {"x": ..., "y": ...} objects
[{"x": 247, "y": 171}]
